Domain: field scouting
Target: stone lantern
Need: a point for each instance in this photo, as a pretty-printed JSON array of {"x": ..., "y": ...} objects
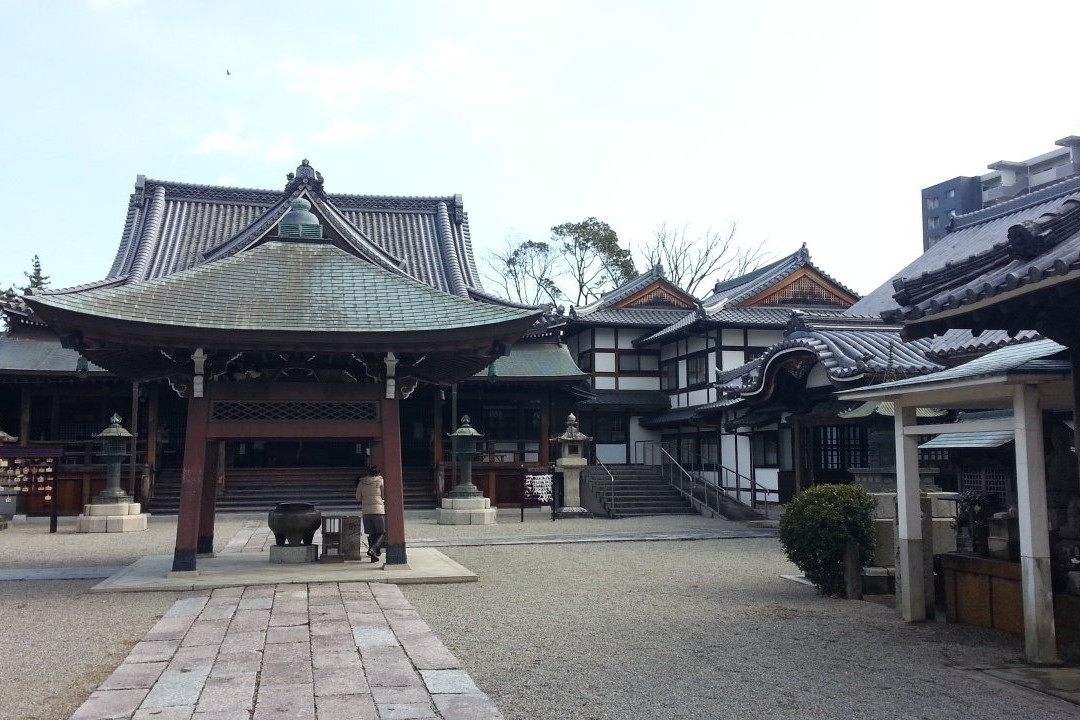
[
  {"x": 572, "y": 458},
  {"x": 112, "y": 510},
  {"x": 466, "y": 504},
  {"x": 114, "y": 448}
]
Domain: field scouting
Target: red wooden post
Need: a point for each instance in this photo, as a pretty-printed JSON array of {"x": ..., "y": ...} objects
[
  {"x": 191, "y": 486},
  {"x": 205, "y": 542},
  {"x": 391, "y": 469}
]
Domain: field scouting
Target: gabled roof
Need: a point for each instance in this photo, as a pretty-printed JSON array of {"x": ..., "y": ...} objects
[
  {"x": 648, "y": 290},
  {"x": 745, "y": 287},
  {"x": 540, "y": 361},
  {"x": 38, "y": 354},
  {"x": 173, "y": 226}
]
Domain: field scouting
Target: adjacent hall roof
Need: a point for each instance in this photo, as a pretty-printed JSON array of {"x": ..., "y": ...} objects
[{"x": 534, "y": 361}]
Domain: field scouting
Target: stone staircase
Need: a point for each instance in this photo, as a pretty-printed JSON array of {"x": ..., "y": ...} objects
[
  {"x": 643, "y": 490},
  {"x": 637, "y": 490},
  {"x": 256, "y": 491}
]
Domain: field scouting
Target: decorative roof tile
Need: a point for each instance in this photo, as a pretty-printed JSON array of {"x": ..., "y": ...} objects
[{"x": 534, "y": 361}]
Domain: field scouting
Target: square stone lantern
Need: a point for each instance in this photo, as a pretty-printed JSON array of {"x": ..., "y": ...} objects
[
  {"x": 572, "y": 459},
  {"x": 113, "y": 509}
]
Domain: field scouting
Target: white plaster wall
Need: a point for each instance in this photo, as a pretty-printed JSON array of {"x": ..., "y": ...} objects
[
  {"x": 697, "y": 397},
  {"x": 817, "y": 377},
  {"x": 611, "y": 454},
  {"x": 604, "y": 383},
  {"x": 769, "y": 479},
  {"x": 638, "y": 433},
  {"x": 694, "y": 344},
  {"x": 727, "y": 451},
  {"x": 730, "y": 336},
  {"x": 626, "y": 337},
  {"x": 605, "y": 337},
  {"x": 603, "y": 361},
  {"x": 764, "y": 337},
  {"x": 731, "y": 359},
  {"x": 639, "y": 383}
]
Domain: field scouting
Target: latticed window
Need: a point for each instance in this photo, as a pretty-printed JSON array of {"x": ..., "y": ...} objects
[
  {"x": 803, "y": 291},
  {"x": 840, "y": 447},
  {"x": 697, "y": 370},
  {"x": 294, "y": 411},
  {"x": 657, "y": 298},
  {"x": 669, "y": 375},
  {"x": 994, "y": 481}
]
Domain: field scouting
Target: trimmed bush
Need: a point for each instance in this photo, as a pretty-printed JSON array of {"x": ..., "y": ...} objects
[{"x": 816, "y": 526}]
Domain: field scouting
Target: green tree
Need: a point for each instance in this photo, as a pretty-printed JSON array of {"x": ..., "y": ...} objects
[
  {"x": 524, "y": 271},
  {"x": 595, "y": 260},
  {"x": 38, "y": 280}
]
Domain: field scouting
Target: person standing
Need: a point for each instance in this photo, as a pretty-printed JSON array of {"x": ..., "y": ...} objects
[{"x": 371, "y": 494}]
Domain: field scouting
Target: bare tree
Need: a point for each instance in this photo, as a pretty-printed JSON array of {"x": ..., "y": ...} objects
[
  {"x": 524, "y": 271},
  {"x": 690, "y": 259}
]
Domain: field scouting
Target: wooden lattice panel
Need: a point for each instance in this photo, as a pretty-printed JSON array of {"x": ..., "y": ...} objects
[
  {"x": 803, "y": 291},
  {"x": 657, "y": 298},
  {"x": 295, "y": 411}
]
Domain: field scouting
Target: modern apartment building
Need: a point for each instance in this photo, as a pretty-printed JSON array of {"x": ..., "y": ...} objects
[{"x": 1008, "y": 179}]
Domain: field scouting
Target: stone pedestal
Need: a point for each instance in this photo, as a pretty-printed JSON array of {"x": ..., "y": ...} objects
[
  {"x": 466, "y": 511},
  {"x": 290, "y": 554},
  {"x": 571, "y": 489},
  {"x": 112, "y": 517},
  {"x": 352, "y": 537}
]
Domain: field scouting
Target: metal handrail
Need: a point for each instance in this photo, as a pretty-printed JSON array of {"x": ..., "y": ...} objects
[{"x": 609, "y": 498}]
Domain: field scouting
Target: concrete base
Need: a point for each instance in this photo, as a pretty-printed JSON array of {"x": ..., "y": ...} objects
[
  {"x": 112, "y": 509},
  {"x": 288, "y": 554},
  {"x": 466, "y": 511},
  {"x": 98, "y": 523},
  {"x": 878, "y": 580},
  {"x": 564, "y": 513}
]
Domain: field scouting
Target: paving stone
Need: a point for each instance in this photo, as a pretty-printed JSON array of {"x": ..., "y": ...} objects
[
  {"x": 330, "y": 627},
  {"x": 187, "y": 606},
  {"x": 223, "y": 715},
  {"x": 197, "y": 656},
  {"x": 130, "y": 676},
  {"x": 354, "y": 588},
  {"x": 177, "y": 687},
  {"x": 467, "y": 706},
  {"x": 398, "y": 695},
  {"x": 242, "y": 641},
  {"x": 278, "y": 619},
  {"x": 427, "y": 652},
  {"x": 285, "y": 702},
  {"x": 222, "y": 611},
  {"x": 361, "y": 606},
  {"x": 405, "y": 711},
  {"x": 250, "y": 620},
  {"x": 290, "y": 605},
  {"x": 326, "y": 589},
  {"x": 153, "y": 651},
  {"x": 448, "y": 681},
  {"x": 340, "y": 681},
  {"x": 108, "y": 704},
  {"x": 285, "y": 673},
  {"x": 390, "y": 596},
  {"x": 287, "y": 652},
  {"x": 333, "y": 643},
  {"x": 183, "y": 712},
  {"x": 292, "y": 590},
  {"x": 373, "y": 637},
  {"x": 328, "y": 612},
  {"x": 229, "y": 592},
  {"x": 375, "y": 619},
  {"x": 237, "y": 663},
  {"x": 236, "y": 692},
  {"x": 255, "y": 603},
  {"x": 258, "y": 591},
  {"x": 287, "y": 634},
  {"x": 205, "y": 632},
  {"x": 336, "y": 659},
  {"x": 170, "y": 628},
  {"x": 345, "y": 707}
]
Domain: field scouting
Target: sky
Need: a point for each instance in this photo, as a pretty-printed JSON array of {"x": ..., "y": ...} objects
[{"x": 803, "y": 122}]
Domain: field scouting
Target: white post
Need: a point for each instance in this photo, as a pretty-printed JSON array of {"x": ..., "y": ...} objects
[
  {"x": 1040, "y": 642},
  {"x": 910, "y": 585}
]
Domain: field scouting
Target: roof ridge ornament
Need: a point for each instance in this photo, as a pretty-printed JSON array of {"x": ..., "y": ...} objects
[
  {"x": 305, "y": 176},
  {"x": 299, "y": 221}
]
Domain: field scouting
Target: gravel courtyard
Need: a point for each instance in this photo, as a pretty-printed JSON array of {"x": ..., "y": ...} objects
[{"x": 590, "y": 631}]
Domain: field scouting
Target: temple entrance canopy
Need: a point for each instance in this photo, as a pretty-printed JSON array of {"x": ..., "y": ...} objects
[{"x": 296, "y": 327}]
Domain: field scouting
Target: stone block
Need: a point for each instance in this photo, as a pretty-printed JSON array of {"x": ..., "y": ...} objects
[
  {"x": 106, "y": 509},
  {"x": 482, "y": 517},
  {"x": 90, "y": 523},
  {"x": 885, "y": 545},
  {"x": 477, "y": 503},
  {"x": 886, "y": 507},
  {"x": 943, "y": 504},
  {"x": 944, "y": 535},
  {"x": 125, "y": 523},
  {"x": 134, "y": 508},
  {"x": 449, "y": 516},
  {"x": 289, "y": 554}
]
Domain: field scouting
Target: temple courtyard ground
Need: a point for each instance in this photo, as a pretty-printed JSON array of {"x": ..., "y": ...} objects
[{"x": 589, "y": 619}]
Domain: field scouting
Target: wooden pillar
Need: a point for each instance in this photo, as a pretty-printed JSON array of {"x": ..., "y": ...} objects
[
  {"x": 24, "y": 417},
  {"x": 191, "y": 485},
  {"x": 1074, "y": 357},
  {"x": 152, "y": 409},
  {"x": 437, "y": 443},
  {"x": 391, "y": 470},
  {"x": 208, "y": 502},
  {"x": 544, "y": 457},
  {"x": 134, "y": 443},
  {"x": 910, "y": 583},
  {"x": 798, "y": 454},
  {"x": 1040, "y": 643}
]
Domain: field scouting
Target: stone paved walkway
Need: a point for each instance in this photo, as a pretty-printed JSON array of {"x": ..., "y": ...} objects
[{"x": 302, "y": 652}]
